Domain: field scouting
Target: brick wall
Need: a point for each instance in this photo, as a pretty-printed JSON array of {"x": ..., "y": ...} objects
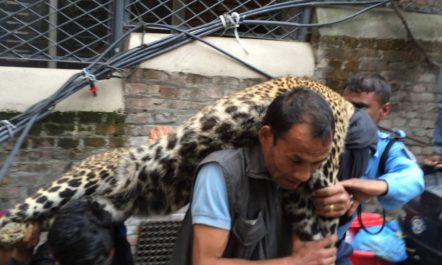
[
  {"x": 154, "y": 98},
  {"x": 412, "y": 78},
  {"x": 53, "y": 145}
]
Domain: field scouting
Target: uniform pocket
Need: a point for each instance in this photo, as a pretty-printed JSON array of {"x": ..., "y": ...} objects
[{"x": 249, "y": 231}]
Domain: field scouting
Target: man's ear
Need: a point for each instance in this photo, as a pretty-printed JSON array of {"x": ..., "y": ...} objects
[
  {"x": 265, "y": 134},
  {"x": 385, "y": 110}
]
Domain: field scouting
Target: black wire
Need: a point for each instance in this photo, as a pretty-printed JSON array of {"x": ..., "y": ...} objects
[
  {"x": 294, "y": 4},
  {"x": 300, "y": 25},
  {"x": 219, "y": 49},
  {"x": 420, "y": 142}
]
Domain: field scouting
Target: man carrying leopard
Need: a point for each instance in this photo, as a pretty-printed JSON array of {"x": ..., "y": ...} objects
[
  {"x": 157, "y": 178},
  {"x": 236, "y": 212}
]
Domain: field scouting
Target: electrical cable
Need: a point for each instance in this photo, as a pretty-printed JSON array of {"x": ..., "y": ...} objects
[
  {"x": 300, "y": 25},
  {"x": 303, "y": 3},
  {"x": 195, "y": 37},
  {"x": 420, "y": 142},
  {"x": 411, "y": 35}
]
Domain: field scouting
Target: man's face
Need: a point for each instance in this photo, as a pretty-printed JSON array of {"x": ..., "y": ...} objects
[
  {"x": 369, "y": 100},
  {"x": 293, "y": 158}
]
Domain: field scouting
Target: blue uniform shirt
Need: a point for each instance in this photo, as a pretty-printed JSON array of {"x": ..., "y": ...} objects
[{"x": 403, "y": 175}]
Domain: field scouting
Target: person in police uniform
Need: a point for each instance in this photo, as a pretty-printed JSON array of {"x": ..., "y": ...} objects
[{"x": 395, "y": 181}]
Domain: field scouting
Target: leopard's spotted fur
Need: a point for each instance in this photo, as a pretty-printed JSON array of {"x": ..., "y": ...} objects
[{"x": 156, "y": 178}]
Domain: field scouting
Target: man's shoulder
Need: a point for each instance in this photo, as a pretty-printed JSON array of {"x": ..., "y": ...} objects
[
  {"x": 229, "y": 161},
  {"x": 229, "y": 155},
  {"x": 225, "y": 154},
  {"x": 396, "y": 139},
  {"x": 398, "y": 146},
  {"x": 383, "y": 135}
]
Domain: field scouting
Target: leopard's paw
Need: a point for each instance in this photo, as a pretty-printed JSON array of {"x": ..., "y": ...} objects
[{"x": 12, "y": 233}]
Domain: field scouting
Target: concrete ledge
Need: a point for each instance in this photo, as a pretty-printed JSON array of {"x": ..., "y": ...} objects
[
  {"x": 277, "y": 58},
  {"x": 22, "y": 87},
  {"x": 380, "y": 23}
]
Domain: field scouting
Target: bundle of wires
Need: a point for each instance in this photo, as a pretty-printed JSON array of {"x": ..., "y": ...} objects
[{"x": 99, "y": 70}]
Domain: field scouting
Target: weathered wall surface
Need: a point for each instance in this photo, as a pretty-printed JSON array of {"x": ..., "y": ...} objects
[
  {"x": 53, "y": 146},
  {"x": 159, "y": 98},
  {"x": 377, "y": 42},
  {"x": 413, "y": 80}
]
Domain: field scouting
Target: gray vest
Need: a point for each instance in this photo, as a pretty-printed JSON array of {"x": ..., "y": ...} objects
[{"x": 259, "y": 227}]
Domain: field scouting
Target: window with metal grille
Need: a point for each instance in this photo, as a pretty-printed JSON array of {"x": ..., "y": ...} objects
[
  {"x": 46, "y": 33},
  {"x": 186, "y": 14}
]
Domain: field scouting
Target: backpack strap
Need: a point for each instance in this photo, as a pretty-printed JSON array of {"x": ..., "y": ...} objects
[
  {"x": 397, "y": 135},
  {"x": 384, "y": 156},
  {"x": 361, "y": 223}
]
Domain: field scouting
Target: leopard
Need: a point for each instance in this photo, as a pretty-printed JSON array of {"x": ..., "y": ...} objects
[{"x": 156, "y": 178}]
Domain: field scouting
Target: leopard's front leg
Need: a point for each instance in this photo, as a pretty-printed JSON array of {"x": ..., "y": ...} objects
[{"x": 306, "y": 223}]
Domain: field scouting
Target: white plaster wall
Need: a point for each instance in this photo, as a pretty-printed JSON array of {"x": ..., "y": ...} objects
[
  {"x": 276, "y": 58},
  {"x": 380, "y": 23},
  {"x": 22, "y": 87}
]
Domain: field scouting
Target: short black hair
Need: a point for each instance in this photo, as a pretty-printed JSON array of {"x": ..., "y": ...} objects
[
  {"x": 81, "y": 234},
  {"x": 297, "y": 106},
  {"x": 370, "y": 82}
]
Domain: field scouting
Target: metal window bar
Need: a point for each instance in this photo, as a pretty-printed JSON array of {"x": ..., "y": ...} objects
[
  {"x": 71, "y": 33},
  {"x": 191, "y": 13}
]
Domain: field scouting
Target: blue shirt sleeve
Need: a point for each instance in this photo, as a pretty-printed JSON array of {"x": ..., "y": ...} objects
[
  {"x": 403, "y": 175},
  {"x": 210, "y": 203}
]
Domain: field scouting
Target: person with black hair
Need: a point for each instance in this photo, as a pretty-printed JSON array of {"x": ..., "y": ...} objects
[
  {"x": 236, "y": 214},
  {"x": 82, "y": 233},
  {"x": 393, "y": 176}
]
